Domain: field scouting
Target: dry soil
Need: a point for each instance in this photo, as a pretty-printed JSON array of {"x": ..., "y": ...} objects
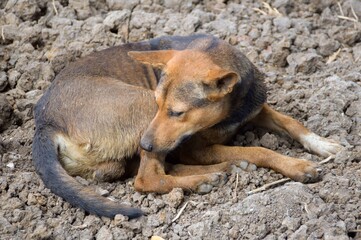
[{"x": 312, "y": 60}]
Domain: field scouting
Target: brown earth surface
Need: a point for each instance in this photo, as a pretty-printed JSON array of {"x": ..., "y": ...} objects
[{"x": 312, "y": 60}]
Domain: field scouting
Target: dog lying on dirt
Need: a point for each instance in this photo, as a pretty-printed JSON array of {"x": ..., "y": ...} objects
[{"x": 127, "y": 109}]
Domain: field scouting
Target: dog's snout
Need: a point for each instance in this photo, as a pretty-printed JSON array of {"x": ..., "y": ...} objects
[{"x": 146, "y": 144}]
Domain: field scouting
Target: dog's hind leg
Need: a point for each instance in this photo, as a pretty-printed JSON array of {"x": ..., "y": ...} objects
[
  {"x": 109, "y": 171},
  {"x": 103, "y": 172},
  {"x": 152, "y": 177},
  {"x": 271, "y": 119}
]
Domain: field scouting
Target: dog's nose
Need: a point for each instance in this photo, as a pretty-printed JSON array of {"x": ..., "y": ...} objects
[{"x": 146, "y": 145}]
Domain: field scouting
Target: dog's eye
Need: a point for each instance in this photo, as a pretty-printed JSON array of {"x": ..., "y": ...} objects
[{"x": 174, "y": 113}]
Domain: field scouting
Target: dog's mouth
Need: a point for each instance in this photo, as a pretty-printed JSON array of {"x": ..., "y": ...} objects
[
  {"x": 151, "y": 147},
  {"x": 181, "y": 140},
  {"x": 184, "y": 139}
]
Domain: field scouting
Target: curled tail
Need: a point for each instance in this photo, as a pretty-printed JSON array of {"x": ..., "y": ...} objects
[{"x": 55, "y": 178}]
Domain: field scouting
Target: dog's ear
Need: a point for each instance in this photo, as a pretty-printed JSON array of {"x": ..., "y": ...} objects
[
  {"x": 154, "y": 58},
  {"x": 220, "y": 83}
]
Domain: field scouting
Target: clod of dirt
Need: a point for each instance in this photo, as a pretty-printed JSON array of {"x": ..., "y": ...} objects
[
  {"x": 280, "y": 52},
  {"x": 116, "y": 19},
  {"x": 303, "y": 62},
  {"x": 328, "y": 46},
  {"x": 304, "y": 42},
  {"x": 174, "y": 198},
  {"x": 3, "y": 81},
  {"x": 121, "y": 4},
  {"x": 5, "y": 113},
  {"x": 26, "y": 10},
  {"x": 269, "y": 141},
  {"x": 282, "y": 23},
  {"x": 104, "y": 234},
  {"x": 357, "y": 53},
  {"x": 82, "y": 8}
]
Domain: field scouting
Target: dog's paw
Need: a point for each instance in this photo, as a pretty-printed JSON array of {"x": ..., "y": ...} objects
[
  {"x": 244, "y": 165},
  {"x": 215, "y": 179},
  {"x": 304, "y": 171},
  {"x": 319, "y": 145}
]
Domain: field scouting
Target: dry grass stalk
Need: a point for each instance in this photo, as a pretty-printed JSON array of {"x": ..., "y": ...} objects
[
  {"x": 340, "y": 7},
  {"x": 333, "y": 56},
  {"x": 260, "y": 11},
  {"x": 56, "y": 10},
  {"x": 347, "y": 18},
  {"x": 354, "y": 14},
  {"x": 306, "y": 208},
  {"x": 268, "y": 185},
  {"x": 156, "y": 238},
  {"x": 342, "y": 16},
  {"x": 235, "y": 188},
  {"x": 80, "y": 227},
  {"x": 270, "y": 10},
  {"x": 327, "y": 160},
  {"x": 2, "y": 34},
  {"x": 180, "y": 212}
]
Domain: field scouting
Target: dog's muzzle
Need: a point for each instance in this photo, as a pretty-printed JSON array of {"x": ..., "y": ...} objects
[{"x": 146, "y": 143}]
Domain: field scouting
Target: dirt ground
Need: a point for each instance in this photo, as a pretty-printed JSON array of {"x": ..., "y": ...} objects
[{"x": 310, "y": 52}]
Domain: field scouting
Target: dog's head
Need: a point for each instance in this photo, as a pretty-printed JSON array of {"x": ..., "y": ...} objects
[{"x": 192, "y": 95}]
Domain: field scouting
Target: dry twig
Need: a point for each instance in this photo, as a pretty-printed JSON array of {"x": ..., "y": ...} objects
[
  {"x": 333, "y": 56},
  {"x": 260, "y": 11},
  {"x": 80, "y": 227},
  {"x": 268, "y": 185},
  {"x": 347, "y": 18},
  {"x": 306, "y": 208},
  {"x": 327, "y": 160},
  {"x": 235, "y": 188},
  {"x": 354, "y": 14},
  {"x": 2, "y": 34},
  {"x": 341, "y": 11},
  {"x": 180, "y": 212},
  {"x": 270, "y": 10},
  {"x": 342, "y": 16},
  {"x": 156, "y": 238},
  {"x": 56, "y": 10}
]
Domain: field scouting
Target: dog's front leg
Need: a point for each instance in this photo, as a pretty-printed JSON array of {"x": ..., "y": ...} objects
[
  {"x": 297, "y": 169},
  {"x": 271, "y": 119},
  {"x": 151, "y": 177}
]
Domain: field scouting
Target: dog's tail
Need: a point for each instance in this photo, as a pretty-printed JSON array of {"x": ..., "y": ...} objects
[{"x": 45, "y": 158}]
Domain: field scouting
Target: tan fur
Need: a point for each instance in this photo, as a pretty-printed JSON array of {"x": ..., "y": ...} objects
[{"x": 106, "y": 107}]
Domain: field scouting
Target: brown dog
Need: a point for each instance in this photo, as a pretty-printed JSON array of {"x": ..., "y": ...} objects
[{"x": 145, "y": 99}]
